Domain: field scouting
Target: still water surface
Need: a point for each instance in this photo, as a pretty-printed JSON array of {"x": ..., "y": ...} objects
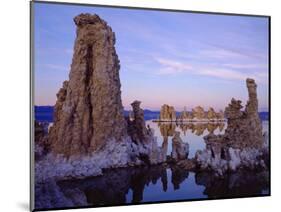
[{"x": 168, "y": 183}]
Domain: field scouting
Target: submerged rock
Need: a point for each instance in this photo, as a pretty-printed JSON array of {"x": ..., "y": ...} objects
[{"x": 242, "y": 145}]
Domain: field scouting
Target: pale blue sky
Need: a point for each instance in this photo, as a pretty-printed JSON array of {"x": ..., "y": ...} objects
[{"x": 182, "y": 59}]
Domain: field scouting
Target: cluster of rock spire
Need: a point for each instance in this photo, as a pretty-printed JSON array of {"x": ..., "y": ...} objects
[
  {"x": 242, "y": 144},
  {"x": 168, "y": 113},
  {"x": 90, "y": 132}
]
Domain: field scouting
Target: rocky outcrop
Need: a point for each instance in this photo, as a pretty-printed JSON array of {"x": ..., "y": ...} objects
[
  {"x": 180, "y": 149},
  {"x": 242, "y": 145},
  {"x": 184, "y": 116},
  {"x": 198, "y": 113},
  {"x": 41, "y": 144},
  {"x": 90, "y": 132},
  {"x": 211, "y": 114},
  {"x": 187, "y": 164},
  {"x": 145, "y": 144},
  {"x": 136, "y": 128},
  {"x": 220, "y": 115},
  {"x": 89, "y": 111},
  {"x": 167, "y": 113}
]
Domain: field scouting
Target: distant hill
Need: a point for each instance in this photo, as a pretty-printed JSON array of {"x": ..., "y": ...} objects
[
  {"x": 264, "y": 115},
  {"x": 45, "y": 113}
]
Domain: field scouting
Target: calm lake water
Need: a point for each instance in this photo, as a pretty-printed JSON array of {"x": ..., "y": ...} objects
[
  {"x": 163, "y": 182},
  {"x": 191, "y": 133}
]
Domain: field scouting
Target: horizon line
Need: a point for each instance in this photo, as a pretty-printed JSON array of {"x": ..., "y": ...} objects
[{"x": 153, "y": 110}]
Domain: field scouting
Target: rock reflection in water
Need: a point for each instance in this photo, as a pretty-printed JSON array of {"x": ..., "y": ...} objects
[
  {"x": 191, "y": 133},
  {"x": 146, "y": 184},
  {"x": 168, "y": 129},
  {"x": 113, "y": 187},
  {"x": 238, "y": 184}
]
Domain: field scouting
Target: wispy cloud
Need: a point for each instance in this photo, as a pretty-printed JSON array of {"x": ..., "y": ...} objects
[
  {"x": 220, "y": 53},
  {"x": 172, "y": 66},
  {"x": 223, "y": 74}
]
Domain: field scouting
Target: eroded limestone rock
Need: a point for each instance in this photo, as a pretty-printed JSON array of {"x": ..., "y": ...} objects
[
  {"x": 89, "y": 111},
  {"x": 90, "y": 132},
  {"x": 211, "y": 114},
  {"x": 242, "y": 145},
  {"x": 41, "y": 144},
  {"x": 167, "y": 113},
  {"x": 146, "y": 145},
  {"x": 185, "y": 116},
  {"x": 137, "y": 129},
  {"x": 198, "y": 113},
  {"x": 220, "y": 115}
]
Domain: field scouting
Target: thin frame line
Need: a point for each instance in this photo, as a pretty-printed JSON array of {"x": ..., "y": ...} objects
[{"x": 32, "y": 207}]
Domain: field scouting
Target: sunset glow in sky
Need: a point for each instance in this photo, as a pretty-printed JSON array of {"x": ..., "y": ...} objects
[{"x": 181, "y": 59}]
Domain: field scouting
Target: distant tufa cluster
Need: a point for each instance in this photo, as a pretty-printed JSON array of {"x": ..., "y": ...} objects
[{"x": 168, "y": 113}]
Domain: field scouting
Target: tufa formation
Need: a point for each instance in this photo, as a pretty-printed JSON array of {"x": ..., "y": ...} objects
[
  {"x": 242, "y": 145},
  {"x": 90, "y": 132},
  {"x": 198, "y": 113},
  {"x": 167, "y": 113},
  {"x": 89, "y": 111}
]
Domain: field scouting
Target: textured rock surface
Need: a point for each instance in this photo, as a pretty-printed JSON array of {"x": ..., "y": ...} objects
[
  {"x": 89, "y": 111},
  {"x": 167, "y": 113},
  {"x": 211, "y": 113},
  {"x": 220, "y": 115},
  {"x": 243, "y": 144},
  {"x": 198, "y": 113},
  {"x": 180, "y": 149},
  {"x": 41, "y": 144},
  {"x": 136, "y": 128},
  {"x": 90, "y": 132},
  {"x": 146, "y": 146},
  {"x": 188, "y": 164},
  {"x": 184, "y": 116}
]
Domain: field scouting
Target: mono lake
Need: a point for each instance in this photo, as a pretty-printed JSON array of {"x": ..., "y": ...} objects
[
  {"x": 191, "y": 133},
  {"x": 160, "y": 183}
]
